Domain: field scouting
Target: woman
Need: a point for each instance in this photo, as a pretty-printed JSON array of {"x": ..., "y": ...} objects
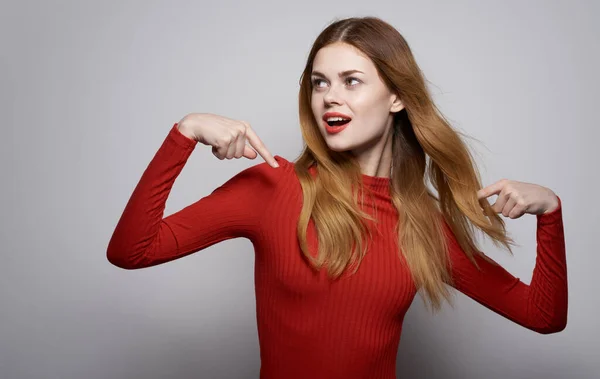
[{"x": 348, "y": 234}]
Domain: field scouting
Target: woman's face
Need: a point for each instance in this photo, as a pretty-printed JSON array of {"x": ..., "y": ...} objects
[{"x": 345, "y": 81}]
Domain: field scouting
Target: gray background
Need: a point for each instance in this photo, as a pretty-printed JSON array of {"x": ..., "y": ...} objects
[{"x": 89, "y": 90}]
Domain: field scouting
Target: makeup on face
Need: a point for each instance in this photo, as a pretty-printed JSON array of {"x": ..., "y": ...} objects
[
  {"x": 335, "y": 122},
  {"x": 349, "y": 101}
]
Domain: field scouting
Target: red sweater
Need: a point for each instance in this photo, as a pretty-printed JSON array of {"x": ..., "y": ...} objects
[{"x": 309, "y": 326}]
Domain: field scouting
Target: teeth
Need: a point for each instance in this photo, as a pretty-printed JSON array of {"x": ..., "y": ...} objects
[{"x": 330, "y": 119}]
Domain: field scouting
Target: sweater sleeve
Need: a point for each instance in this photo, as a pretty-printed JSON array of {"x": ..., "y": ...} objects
[
  {"x": 540, "y": 306},
  {"x": 143, "y": 238}
]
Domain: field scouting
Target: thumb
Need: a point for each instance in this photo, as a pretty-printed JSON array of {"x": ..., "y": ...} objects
[{"x": 249, "y": 152}]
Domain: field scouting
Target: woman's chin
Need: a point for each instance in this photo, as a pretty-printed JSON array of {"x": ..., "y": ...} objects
[
  {"x": 335, "y": 143},
  {"x": 338, "y": 147}
]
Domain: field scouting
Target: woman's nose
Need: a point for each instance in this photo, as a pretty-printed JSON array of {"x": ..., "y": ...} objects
[{"x": 332, "y": 95}]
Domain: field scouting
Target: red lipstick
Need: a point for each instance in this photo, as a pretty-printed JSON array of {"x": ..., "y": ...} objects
[{"x": 332, "y": 129}]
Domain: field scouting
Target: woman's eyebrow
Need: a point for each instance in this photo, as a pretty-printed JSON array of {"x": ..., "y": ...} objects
[{"x": 341, "y": 74}]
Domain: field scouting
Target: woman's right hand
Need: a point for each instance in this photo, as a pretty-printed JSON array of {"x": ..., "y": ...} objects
[{"x": 226, "y": 136}]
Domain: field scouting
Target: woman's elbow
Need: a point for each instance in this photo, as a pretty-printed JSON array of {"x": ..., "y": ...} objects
[
  {"x": 120, "y": 260},
  {"x": 552, "y": 328}
]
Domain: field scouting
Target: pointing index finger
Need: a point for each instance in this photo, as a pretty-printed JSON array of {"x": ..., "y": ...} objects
[
  {"x": 260, "y": 148},
  {"x": 492, "y": 189}
]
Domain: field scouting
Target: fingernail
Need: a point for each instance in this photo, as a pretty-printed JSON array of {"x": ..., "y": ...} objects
[{"x": 276, "y": 164}]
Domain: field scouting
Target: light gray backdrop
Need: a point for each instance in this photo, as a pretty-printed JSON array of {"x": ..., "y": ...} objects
[{"x": 89, "y": 90}]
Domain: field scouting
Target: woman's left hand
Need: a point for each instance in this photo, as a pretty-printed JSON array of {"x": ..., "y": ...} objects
[{"x": 517, "y": 198}]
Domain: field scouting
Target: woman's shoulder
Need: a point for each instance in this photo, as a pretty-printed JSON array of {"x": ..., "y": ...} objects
[
  {"x": 284, "y": 163},
  {"x": 285, "y": 167},
  {"x": 262, "y": 175}
]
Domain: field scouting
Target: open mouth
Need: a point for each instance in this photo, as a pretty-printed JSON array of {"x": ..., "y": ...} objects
[
  {"x": 338, "y": 123},
  {"x": 335, "y": 122},
  {"x": 333, "y": 127}
]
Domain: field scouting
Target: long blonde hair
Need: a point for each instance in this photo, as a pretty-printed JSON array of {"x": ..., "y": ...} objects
[{"x": 419, "y": 130}]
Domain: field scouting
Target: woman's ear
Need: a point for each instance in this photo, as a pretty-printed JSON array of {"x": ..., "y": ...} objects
[{"x": 397, "y": 105}]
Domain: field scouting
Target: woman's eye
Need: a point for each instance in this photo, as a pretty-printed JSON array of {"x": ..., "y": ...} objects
[
  {"x": 315, "y": 82},
  {"x": 349, "y": 79}
]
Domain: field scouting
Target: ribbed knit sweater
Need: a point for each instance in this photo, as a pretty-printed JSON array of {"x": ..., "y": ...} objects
[{"x": 310, "y": 326}]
